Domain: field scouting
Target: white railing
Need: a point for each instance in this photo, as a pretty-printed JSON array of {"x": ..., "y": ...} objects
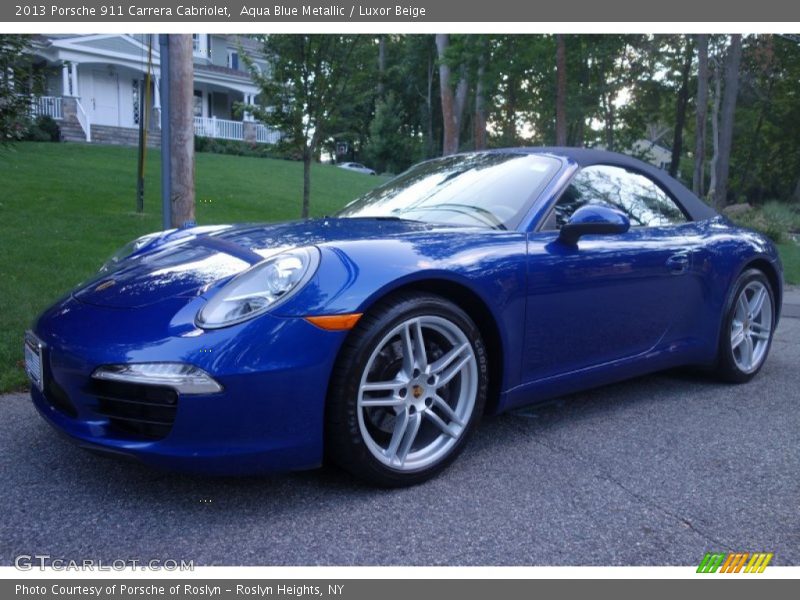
[
  {"x": 218, "y": 128},
  {"x": 83, "y": 119},
  {"x": 49, "y": 106},
  {"x": 265, "y": 135}
]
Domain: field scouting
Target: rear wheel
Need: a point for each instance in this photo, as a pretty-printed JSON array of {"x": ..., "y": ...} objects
[
  {"x": 748, "y": 327},
  {"x": 409, "y": 388}
]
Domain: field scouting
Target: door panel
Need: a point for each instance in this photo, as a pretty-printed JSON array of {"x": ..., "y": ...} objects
[
  {"x": 103, "y": 106},
  {"x": 611, "y": 297}
]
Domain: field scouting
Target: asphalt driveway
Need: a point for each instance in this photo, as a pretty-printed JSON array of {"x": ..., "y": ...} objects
[{"x": 658, "y": 471}]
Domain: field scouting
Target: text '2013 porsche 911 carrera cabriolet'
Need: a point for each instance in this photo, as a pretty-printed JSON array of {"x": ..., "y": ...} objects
[{"x": 378, "y": 337}]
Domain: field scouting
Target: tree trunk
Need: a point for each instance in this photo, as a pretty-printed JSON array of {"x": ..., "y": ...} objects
[
  {"x": 698, "y": 178},
  {"x": 680, "y": 110},
  {"x": 609, "y": 118},
  {"x": 381, "y": 66},
  {"x": 510, "y": 123},
  {"x": 181, "y": 99},
  {"x": 712, "y": 184},
  {"x": 462, "y": 92},
  {"x": 726, "y": 119},
  {"x": 429, "y": 108},
  {"x": 309, "y": 151},
  {"x": 479, "y": 119},
  {"x": 449, "y": 118},
  {"x": 561, "y": 91}
]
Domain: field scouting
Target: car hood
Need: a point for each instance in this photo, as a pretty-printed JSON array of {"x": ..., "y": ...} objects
[{"x": 186, "y": 262}]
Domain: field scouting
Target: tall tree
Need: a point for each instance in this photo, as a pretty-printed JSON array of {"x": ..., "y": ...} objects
[
  {"x": 453, "y": 101},
  {"x": 479, "y": 118},
  {"x": 561, "y": 91},
  {"x": 701, "y": 115},
  {"x": 728, "y": 111},
  {"x": 181, "y": 98},
  {"x": 449, "y": 117},
  {"x": 312, "y": 78},
  {"x": 680, "y": 108},
  {"x": 381, "y": 65},
  {"x": 715, "y": 106},
  {"x": 16, "y": 75}
]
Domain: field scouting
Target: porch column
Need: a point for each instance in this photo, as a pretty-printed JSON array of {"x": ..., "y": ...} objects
[
  {"x": 157, "y": 94},
  {"x": 156, "y": 103},
  {"x": 74, "y": 67},
  {"x": 248, "y": 100},
  {"x": 65, "y": 79}
]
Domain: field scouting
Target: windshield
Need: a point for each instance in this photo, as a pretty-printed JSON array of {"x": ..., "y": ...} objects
[{"x": 488, "y": 189}]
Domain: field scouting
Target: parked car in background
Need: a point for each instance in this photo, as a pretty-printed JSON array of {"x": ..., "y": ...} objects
[
  {"x": 378, "y": 337},
  {"x": 358, "y": 167}
]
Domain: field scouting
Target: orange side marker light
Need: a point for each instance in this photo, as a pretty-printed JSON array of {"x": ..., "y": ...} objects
[{"x": 335, "y": 322}]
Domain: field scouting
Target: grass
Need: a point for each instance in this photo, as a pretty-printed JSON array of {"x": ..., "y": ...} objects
[
  {"x": 781, "y": 222},
  {"x": 790, "y": 255},
  {"x": 65, "y": 208}
]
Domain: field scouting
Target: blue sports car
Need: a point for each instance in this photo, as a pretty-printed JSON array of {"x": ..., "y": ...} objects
[{"x": 378, "y": 337}]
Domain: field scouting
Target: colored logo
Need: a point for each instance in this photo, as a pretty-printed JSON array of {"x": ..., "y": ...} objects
[{"x": 735, "y": 562}]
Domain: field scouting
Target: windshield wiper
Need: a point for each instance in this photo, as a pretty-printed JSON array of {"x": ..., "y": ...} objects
[{"x": 492, "y": 220}]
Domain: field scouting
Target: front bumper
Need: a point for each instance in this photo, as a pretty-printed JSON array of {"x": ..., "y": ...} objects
[{"x": 268, "y": 417}]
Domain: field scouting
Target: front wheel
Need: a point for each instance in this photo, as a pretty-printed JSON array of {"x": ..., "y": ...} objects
[
  {"x": 408, "y": 389},
  {"x": 748, "y": 327}
]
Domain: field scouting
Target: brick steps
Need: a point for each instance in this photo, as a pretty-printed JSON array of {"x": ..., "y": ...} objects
[
  {"x": 71, "y": 130},
  {"x": 123, "y": 136}
]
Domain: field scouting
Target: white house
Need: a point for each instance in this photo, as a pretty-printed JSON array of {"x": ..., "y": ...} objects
[
  {"x": 93, "y": 85},
  {"x": 656, "y": 154}
]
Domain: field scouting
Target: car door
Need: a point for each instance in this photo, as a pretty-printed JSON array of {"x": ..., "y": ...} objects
[{"x": 612, "y": 296}]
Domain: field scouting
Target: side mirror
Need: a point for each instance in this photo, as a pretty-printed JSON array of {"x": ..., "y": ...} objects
[{"x": 593, "y": 219}]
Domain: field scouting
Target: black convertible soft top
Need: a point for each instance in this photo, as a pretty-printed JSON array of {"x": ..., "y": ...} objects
[{"x": 696, "y": 208}]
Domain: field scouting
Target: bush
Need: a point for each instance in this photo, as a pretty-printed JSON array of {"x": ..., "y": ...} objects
[
  {"x": 772, "y": 220},
  {"x": 242, "y": 148},
  {"x": 780, "y": 212},
  {"x": 43, "y": 129}
]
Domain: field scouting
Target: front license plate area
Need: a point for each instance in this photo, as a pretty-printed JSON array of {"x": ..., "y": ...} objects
[{"x": 33, "y": 360}]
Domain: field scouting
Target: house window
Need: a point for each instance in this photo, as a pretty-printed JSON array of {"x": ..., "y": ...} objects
[
  {"x": 233, "y": 60},
  {"x": 200, "y": 45},
  {"x": 136, "y": 101}
]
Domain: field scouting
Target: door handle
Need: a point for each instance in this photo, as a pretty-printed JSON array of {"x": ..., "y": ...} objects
[{"x": 678, "y": 263}]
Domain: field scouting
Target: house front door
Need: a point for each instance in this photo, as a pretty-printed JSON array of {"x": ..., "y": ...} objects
[{"x": 103, "y": 106}]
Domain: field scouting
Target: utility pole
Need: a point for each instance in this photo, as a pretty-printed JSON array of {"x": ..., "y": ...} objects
[
  {"x": 166, "y": 180},
  {"x": 181, "y": 132}
]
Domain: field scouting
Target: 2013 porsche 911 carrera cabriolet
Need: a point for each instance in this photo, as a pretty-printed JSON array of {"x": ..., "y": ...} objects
[{"x": 378, "y": 337}]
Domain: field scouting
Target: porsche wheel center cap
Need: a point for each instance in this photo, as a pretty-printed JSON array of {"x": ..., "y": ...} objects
[{"x": 417, "y": 391}]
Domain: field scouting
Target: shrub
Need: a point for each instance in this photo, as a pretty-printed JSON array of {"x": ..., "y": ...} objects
[
  {"x": 770, "y": 222},
  {"x": 242, "y": 148},
  {"x": 43, "y": 129},
  {"x": 781, "y": 212}
]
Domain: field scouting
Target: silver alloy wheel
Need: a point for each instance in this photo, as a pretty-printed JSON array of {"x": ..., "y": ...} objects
[
  {"x": 417, "y": 393},
  {"x": 751, "y": 326}
]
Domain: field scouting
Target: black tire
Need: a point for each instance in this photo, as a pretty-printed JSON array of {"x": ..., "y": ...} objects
[
  {"x": 727, "y": 368},
  {"x": 345, "y": 443}
]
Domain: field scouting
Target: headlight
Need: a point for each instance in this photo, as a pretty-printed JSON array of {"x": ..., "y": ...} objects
[
  {"x": 259, "y": 288},
  {"x": 129, "y": 249}
]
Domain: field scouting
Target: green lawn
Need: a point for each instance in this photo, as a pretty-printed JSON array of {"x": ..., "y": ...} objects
[
  {"x": 64, "y": 208},
  {"x": 790, "y": 255}
]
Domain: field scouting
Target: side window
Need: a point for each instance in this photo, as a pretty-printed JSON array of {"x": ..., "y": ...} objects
[{"x": 639, "y": 197}]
